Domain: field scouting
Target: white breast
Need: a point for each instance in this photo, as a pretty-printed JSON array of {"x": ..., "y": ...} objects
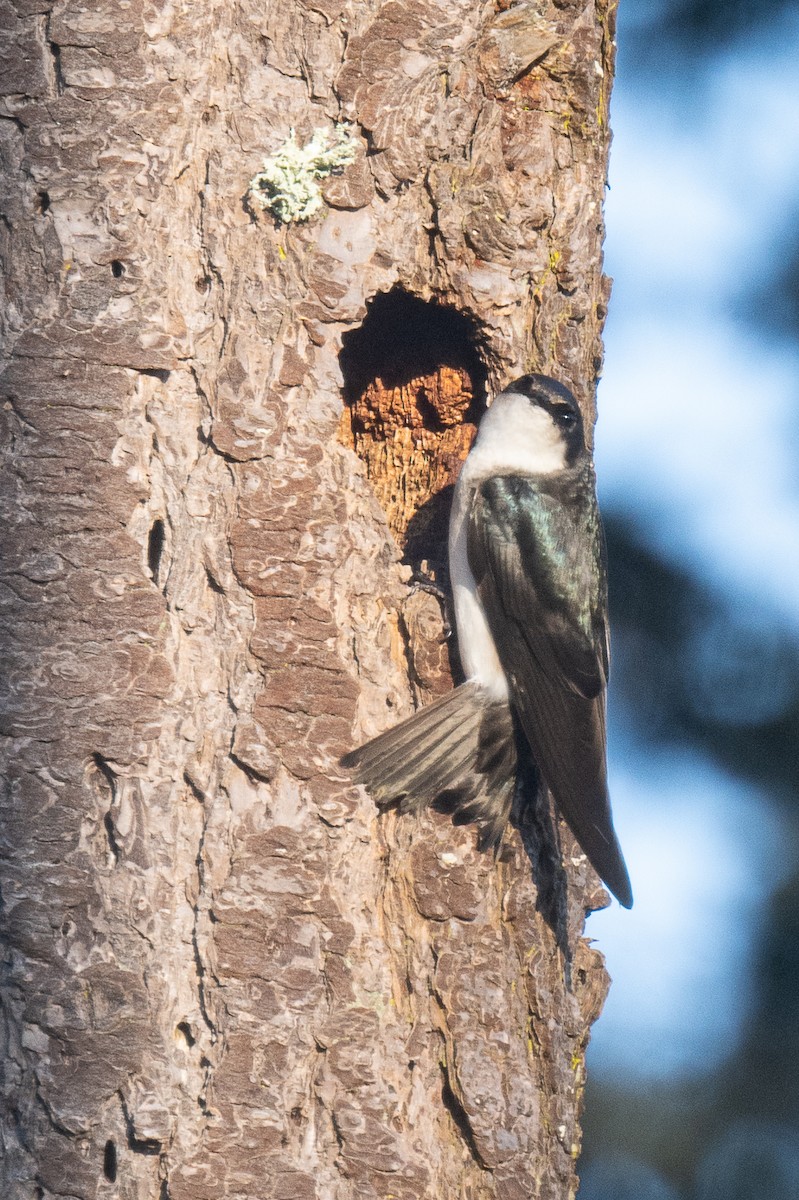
[
  {"x": 479, "y": 658},
  {"x": 515, "y": 438}
]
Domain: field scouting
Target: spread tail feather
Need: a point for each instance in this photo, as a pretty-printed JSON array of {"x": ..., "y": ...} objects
[{"x": 459, "y": 751}]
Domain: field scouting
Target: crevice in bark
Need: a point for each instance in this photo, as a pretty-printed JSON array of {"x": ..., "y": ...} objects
[
  {"x": 11, "y": 402},
  {"x": 194, "y": 788},
  {"x": 203, "y": 430},
  {"x": 433, "y": 228},
  {"x": 337, "y": 1131},
  {"x": 59, "y": 77},
  {"x": 55, "y": 54},
  {"x": 156, "y": 373},
  {"x": 459, "y": 1116},
  {"x": 198, "y": 957},
  {"x": 109, "y": 787},
  {"x": 210, "y": 268},
  {"x": 249, "y": 770},
  {"x": 110, "y": 1161},
  {"x": 110, "y": 832},
  {"x": 155, "y": 549},
  {"x": 207, "y": 440},
  {"x": 202, "y": 1102},
  {"x": 200, "y": 908},
  {"x": 213, "y": 583},
  {"x": 139, "y": 1145}
]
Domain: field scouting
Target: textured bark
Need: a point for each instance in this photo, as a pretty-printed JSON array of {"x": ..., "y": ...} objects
[{"x": 224, "y": 974}]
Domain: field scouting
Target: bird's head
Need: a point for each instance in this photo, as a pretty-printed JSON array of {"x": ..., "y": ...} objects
[{"x": 538, "y": 421}]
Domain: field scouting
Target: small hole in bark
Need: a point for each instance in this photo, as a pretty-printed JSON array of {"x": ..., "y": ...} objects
[
  {"x": 185, "y": 1030},
  {"x": 42, "y": 202},
  {"x": 105, "y": 785},
  {"x": 155, "y": 548},
  {"x": 117, "y": 269},
  {"x": 414, "y": 390},
  {"x": 110, "y": 1161}
]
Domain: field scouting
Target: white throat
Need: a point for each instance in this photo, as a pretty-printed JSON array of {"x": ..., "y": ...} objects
[{"x": 516, "y": 437}]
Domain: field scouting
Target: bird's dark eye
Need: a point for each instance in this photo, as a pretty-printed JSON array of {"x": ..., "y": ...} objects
[{"x": 566, "y": 417}]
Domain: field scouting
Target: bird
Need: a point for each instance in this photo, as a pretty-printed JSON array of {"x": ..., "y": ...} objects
[{"x": 528, "y": 574}]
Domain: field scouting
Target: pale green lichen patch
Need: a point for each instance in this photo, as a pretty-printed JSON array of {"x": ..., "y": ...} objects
[{"x": 288, "y": 184}]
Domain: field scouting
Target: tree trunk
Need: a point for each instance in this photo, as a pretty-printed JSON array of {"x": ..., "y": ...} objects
[{"x": 225, "y": 974}]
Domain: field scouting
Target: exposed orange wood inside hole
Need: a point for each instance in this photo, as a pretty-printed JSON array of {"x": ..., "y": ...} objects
[{"x": 413, "y": 439}]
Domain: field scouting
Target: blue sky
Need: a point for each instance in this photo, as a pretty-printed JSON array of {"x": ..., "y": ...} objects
[
  {"x": 698, "y": 437},
  {"x": 699, "y": 413}
]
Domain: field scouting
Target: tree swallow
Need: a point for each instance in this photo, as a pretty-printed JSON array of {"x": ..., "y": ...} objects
[{"x": 528, "y": 575}]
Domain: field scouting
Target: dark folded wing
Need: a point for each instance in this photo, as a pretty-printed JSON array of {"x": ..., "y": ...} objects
[{"x": 537, "y": 559}]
